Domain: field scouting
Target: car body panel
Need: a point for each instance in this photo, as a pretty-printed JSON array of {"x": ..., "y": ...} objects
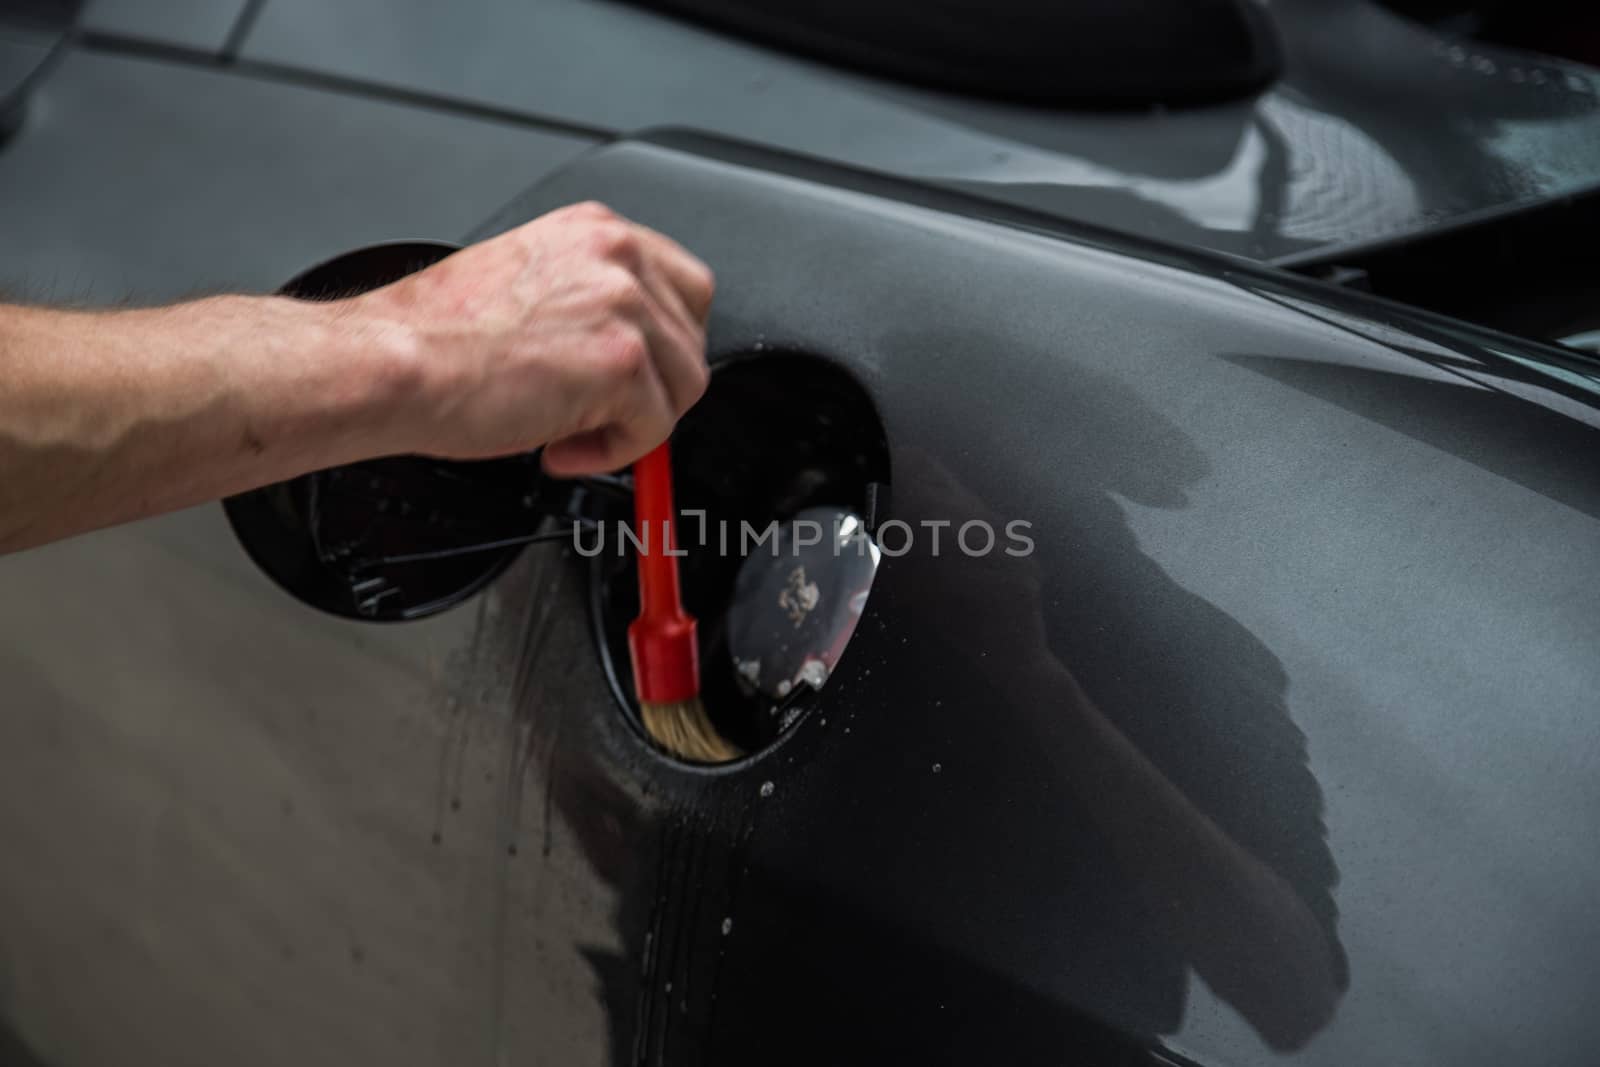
[
  {"x": 141, "y": 181},
  {"x": 179, "y": 852},
  {"x": 26, "y": 53},
  {"x": 1311, "y": 570},
  {"x": 1273, "y": 553},
  {"x": 1271, "y": 560},
  {"x": 1379, "y": 129},
  {"x": 201, "y": 24}
]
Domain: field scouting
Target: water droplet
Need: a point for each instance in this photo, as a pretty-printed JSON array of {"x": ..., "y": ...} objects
[
  {"x": 813, "y": 672},
  {"x": 937, "y": 767},
  {"x": 727, "y": 927},
  {"x": 437, "y": 837},
  {"x": 668, "y": 987},
  {"x": 766, "y": 789}
]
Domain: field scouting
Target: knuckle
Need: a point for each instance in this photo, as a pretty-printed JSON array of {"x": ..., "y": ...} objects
[
  {"x": 695, "y": 382},
  {"x": 621, "y": 290},
  {"x": 617, "y": 242},
  {"x": 592, "y": 209},
  {"x": 626, "y": 352},
  {"x": 696, "y": 374},
  {"x": 704, "y": 281}
]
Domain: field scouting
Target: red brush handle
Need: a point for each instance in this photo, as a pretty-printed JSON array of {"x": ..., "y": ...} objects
[{"x": 661, "y": 641}]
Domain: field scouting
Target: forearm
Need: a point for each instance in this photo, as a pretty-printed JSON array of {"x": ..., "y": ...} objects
[
  {"x": 110, "y": 416},
  {"x": 578, "y": 331}
]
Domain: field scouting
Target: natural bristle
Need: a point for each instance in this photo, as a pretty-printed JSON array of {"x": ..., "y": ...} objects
[{"x": 684, "y": 729}]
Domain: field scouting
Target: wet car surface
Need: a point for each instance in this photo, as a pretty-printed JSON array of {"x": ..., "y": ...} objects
[{"x": 1277, "y": 750}]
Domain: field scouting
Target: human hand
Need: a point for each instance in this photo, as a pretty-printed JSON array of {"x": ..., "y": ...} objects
[{"x": 579, "y": 331}]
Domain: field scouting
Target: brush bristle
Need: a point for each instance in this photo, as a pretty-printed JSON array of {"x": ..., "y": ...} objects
[{"x": 684, "y": 729}]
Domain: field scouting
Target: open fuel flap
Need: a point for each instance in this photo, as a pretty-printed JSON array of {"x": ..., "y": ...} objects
[
  {"x": 400, "y": 537},
  {"x": 780, "y": 473}
]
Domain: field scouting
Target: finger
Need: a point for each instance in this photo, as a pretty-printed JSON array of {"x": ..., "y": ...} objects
[
  {"x": 677, "y": 344},
  {"x": 582, "y": 454},
  {"x": 691, "y": 279},
  {"x": 635, "y": 412},
  {"x": 601, "y": 451},
  {"x": 666, "y": 292}
]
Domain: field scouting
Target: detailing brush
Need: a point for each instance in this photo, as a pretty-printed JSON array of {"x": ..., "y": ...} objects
[{"x": 661, "y": 641}]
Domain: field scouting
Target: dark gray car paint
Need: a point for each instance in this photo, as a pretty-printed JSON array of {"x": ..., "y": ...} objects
[
  {"x": 157, "y": 180},
  {"x": 159, "y": 698},
  {"x": 1274, "y": 553},
  {"x": 1325, "y": 585},
  {"x": 1379, "y": 129},
  {"x": 27, "y": 51},
  {"x": 202, "y": 24}
]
